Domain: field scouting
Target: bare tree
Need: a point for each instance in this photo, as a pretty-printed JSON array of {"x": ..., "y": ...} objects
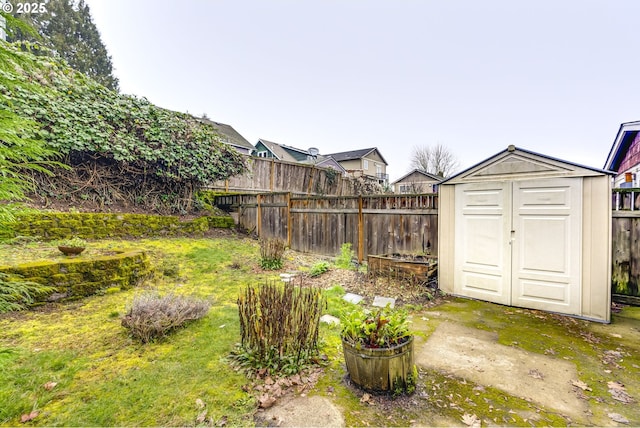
[{"x": 438, "y": 160}]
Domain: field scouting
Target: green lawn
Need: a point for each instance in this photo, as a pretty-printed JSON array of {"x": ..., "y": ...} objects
[{"x": 106, "y": 378}]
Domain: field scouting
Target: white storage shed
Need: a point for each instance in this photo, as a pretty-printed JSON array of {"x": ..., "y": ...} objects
[{"x": 528, "y": 230}]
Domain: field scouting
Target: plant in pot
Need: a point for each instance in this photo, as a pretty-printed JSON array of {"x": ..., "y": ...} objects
[
  {"x": 72, "y": 246},
  {"x": 378, "y": 349}
]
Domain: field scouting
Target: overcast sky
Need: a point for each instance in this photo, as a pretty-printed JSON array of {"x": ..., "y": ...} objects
[{"x": 552, "y": 76}]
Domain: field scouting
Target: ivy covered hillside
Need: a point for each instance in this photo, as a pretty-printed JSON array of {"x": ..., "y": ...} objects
[{"x": 120, "y": 149}]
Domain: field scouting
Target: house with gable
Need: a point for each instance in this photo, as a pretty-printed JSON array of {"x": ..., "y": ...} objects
[
  {"x": 624, "y": 156},
  {"x": 417, "y": 181},
  {"x": 367, "y": 163},
  {"x": 270, "y": 150}
]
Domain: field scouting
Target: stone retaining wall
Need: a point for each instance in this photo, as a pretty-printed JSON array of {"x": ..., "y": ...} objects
[
  {"x": 51, "y": 225},
  {"x": 80, "y": 277}
]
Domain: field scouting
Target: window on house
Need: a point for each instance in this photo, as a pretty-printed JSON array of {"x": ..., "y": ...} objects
[
  {"x": 262, "y": 154},
  {"x": 404, "y": 188},
  {"x": 365, "y": 164}
]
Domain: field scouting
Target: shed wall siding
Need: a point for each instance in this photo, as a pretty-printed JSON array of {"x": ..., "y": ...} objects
[
  {"x": 446, "y": 233},
  {"x": 596, "y": 247}
]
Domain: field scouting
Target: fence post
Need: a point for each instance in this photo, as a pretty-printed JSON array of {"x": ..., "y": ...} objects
[
  {"x": 310, "y": 180},
  {"x": 259, "y": 216},
  {"x": 289, "y": 220},
  {"x": 360, "y": 231},
  {"x": 273, "y": 165}
]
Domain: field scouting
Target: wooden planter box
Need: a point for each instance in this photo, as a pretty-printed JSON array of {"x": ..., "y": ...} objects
[
  {"x": 380, "y": 369},
  {"x": 403, "y": 266}
]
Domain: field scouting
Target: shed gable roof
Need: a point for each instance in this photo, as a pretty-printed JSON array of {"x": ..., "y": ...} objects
[{"x": 519, "y": 163}]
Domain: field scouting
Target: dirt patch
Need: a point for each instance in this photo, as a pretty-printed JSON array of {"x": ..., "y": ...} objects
[
  {"x": 369, "y": 286},
  {"x": 314, "y": 411},
  {"x": 474, "y": 354}
]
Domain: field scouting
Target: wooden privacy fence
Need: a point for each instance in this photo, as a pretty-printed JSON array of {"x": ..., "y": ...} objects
[
  {"x": 380, "y": 224},
  {"x": 625, "y": 272},
  {"x": 271, "y": 175}
]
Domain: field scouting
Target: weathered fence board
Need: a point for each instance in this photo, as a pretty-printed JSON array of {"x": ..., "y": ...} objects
[
  {"x": 271, "y": 175},
  {"x": 626, "y": 254},
  {"x": 376, "y": 225},
  {"x": 372, "y": 224}
]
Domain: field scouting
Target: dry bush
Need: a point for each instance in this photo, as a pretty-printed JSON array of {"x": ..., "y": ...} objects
[
  {"x": 271, "y": 253},
  {"x": 279, "y": 326},
  {"x": 153, "y": 316}
]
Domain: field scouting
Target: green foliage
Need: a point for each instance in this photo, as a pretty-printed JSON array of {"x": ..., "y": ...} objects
[
  {"x": 73, "y": 242},
  {"x": 271, "y": 253},
  {"x": 152, "y": 316},
  {"x": 318, "y": 269},
  {"x": 279, "y": 327},
  {"x": 17, "y": 294},
  {"x": 140, "y": 147},
  {"x": 21, "y": 149},
  {"x": 383, "y": 328},
  {"x": 346, "y": 256},
  {"x": 66, "y": 27}
]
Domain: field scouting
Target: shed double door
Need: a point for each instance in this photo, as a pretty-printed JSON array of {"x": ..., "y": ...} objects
[{"x": 519, "y": 243}]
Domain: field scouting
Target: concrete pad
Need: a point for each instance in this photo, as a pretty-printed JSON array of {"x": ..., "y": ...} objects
[
  {"x": 329, "y": 319},
  {"x": 353, "y": 298},
  {"x": 384, "y": 301},
  {"x": 312, "y": 411},
  {"x": 474, "y": 354}
]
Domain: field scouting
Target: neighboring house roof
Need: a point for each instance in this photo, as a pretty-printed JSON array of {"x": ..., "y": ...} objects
[
  {"x": 356, "y": 154},
  {"x": 228, "y": 134},
  {"x": 625, "y": 137},
  {"x": 281, "y": 152},
  {"x": 426, "y": 174},
  {"x": 329, "y": 162}
]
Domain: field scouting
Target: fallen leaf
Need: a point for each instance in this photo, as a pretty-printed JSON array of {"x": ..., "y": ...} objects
[
  {"x": 615, "y": 385},
  {"x": 365, "y": 398},
  {"x": 580, "y": 384},
  {"x": 617, "y": 336},
  {"x": 200, "y": 403},
  {"x": 470, "y": 420},
  {"x": 49, "y": 385},
  {"x": 536, "y": 374},
  {"x": 265, "y": 401},
  {"x": 29, "y": 416},
  {"x": 621, "y": 395},
  {"x": 612, "y": 357},
  {"x": 201, "y": 417},
  {"x": 618, "y": 418}
]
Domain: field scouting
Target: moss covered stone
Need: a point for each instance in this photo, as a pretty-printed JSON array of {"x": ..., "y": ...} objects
[
  {"x": 78, "y": 278},
  {"x": 52, "y": 226}
]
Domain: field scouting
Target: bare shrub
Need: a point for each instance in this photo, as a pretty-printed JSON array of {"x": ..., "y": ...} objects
[
  {"x": 152, "y": 316},
  {"x": 271, "y": 253},
  {"x": 279, "y": 326}
]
